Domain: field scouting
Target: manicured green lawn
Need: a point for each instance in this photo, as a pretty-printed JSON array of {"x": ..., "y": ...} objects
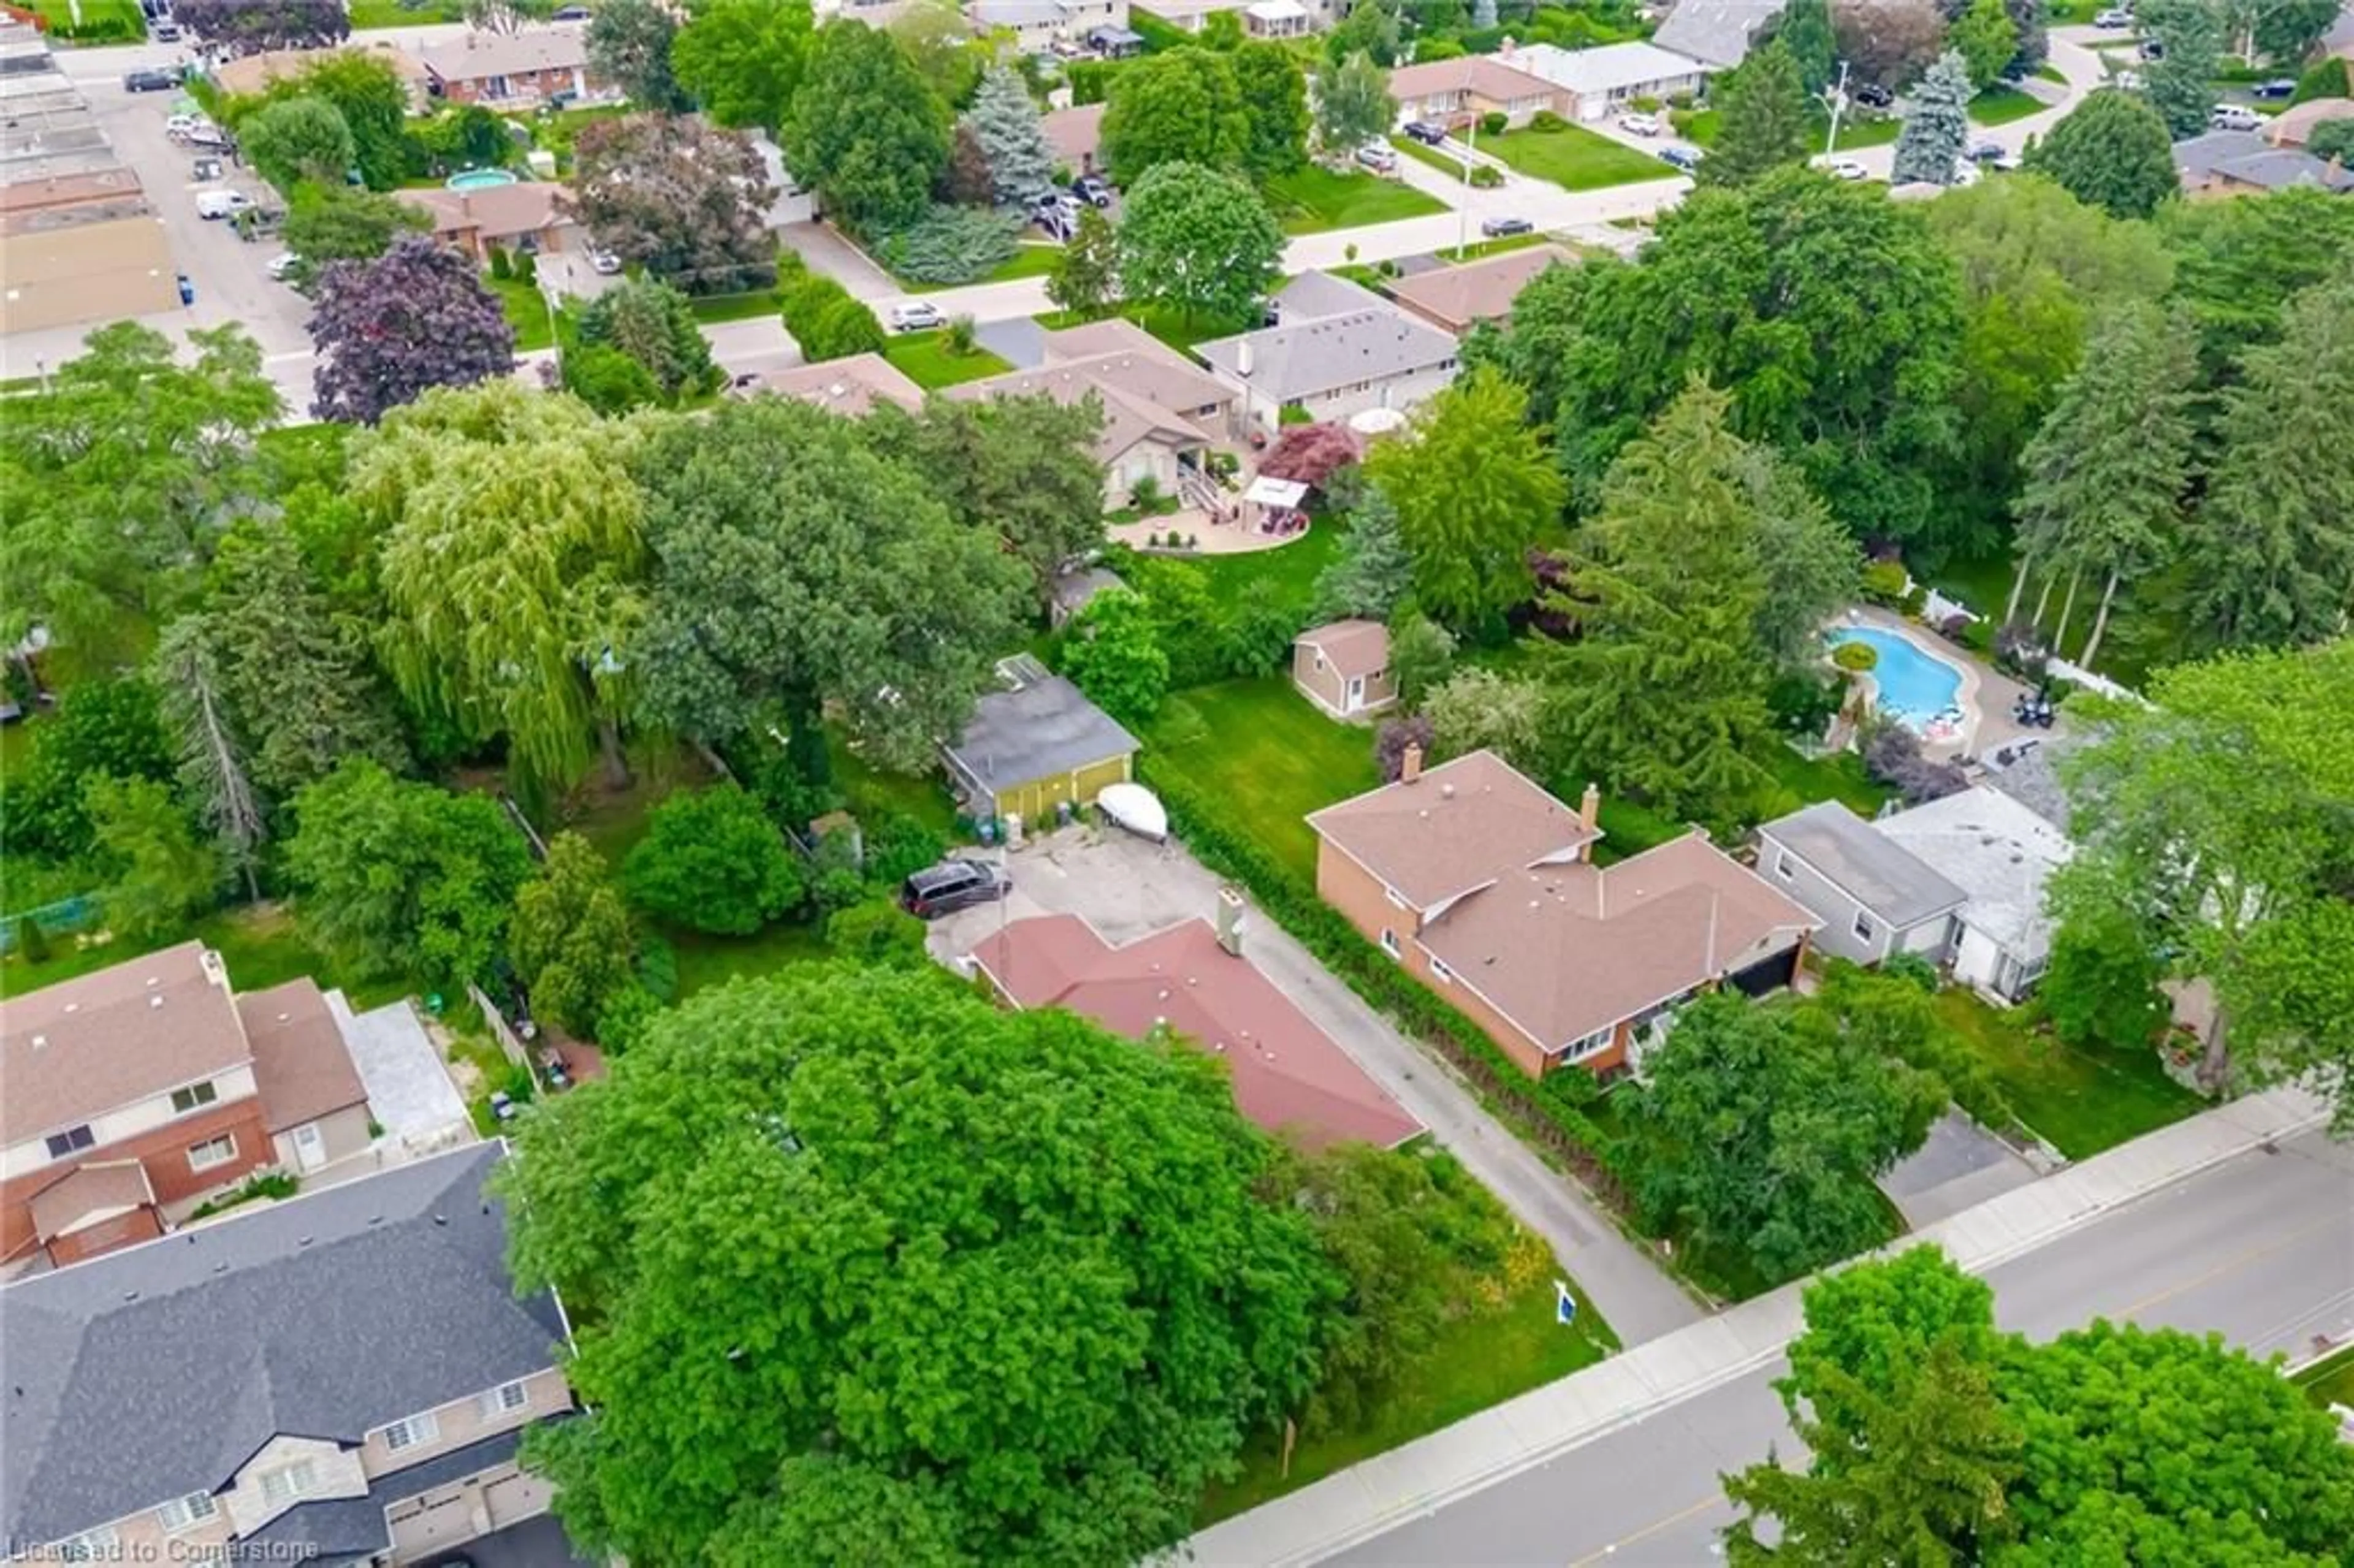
[
  {"x": 1257, "y": 747},
  {"x": 924, "y": 358},
  {"x": 1315, "y": 199},
  {"x": 1292, "y": 568},
  {"x": 259, "y": 944},
  {"x": 2083, "y": 1101},
  {"x": 2051, "y": 73},
  {"x": 705, "y": 960},
  {"x": 1701, "y": 128},
  {"x": 121, "y": 17},
  {"x": 1422, "y": 152},
  {"x": 2001, "y": 105},
  {"x": 1576, "y": 158},
  {"x": 401, "y": 13},
  {"x": 526, "y": 311},
  {"x": 1177, "y": 330},
  {"x": 2329, "y": 1381},
  {"x": 1839, "y": 777},
  {"x": 741, "y": 307},
  {"x": 1481, "y": 1358},
  {"x": 1485, "y": 248},
  {"x": 1031, "y": 260}
]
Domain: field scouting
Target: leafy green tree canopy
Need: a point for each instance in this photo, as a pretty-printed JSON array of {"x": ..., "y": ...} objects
[
  {"x": 1765, "y": 121},
  {"x": 2112, "y": 152},
  {"x": 570, "y": 937},
  {"x": 868, "y": 134},
  {"x": 743, "y": 59},
  {"x": 1198, "y": 240},
  {"x": 298, "y": 140},
  {"x": 1182, "y": 106},
  {"x": 1111, "y": 652},
  {"x": 1016, "y": 1298},
  {"x": 711, "y": 860}
]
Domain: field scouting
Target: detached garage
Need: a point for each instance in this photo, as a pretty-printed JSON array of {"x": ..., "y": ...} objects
[{"x": 1034, "y": 746}]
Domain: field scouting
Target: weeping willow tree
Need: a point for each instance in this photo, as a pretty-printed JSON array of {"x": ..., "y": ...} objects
[{"x": 511, "y": 559}]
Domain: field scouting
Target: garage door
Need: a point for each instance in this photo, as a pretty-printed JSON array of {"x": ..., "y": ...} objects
[{"x": 515, "y": 1497}]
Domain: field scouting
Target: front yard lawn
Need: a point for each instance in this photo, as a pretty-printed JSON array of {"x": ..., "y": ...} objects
[
  {"x": 2001, "y": 105},
  {"x": 741, "y": 307},
  {"x": 1576, "y": 158},
  {"x": 1481, "y": 1358},
  {"x": 526, "y": 311},
  {"x": 1256, "y": 747},
  {"x": 2081, "y": 1100},
  {"x": 1031, "y": 260},
  {"x": 1839, "y": 777},
  {"x": 1701, "y": 127},
  {"x": 1314, "y": 199},
  {"x": 1422, "y": 153},
  {"x": 1178, "y": 330},
  {"x": 2329, "y": 1381},
  {"x": 706, "y": 960},
  {"x": 926, "y": 360}
]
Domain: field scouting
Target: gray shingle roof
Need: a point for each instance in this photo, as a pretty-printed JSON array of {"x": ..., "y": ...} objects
[
  {"x": 1999, "y": 851},
  {"x": 1318, "y": 356},
  {"x": 1716, "y": 32},
  {"x": 1882, "y": 877},
  {"x": 1046, "y": 727},
  {"x": 159, "y": 1370}
]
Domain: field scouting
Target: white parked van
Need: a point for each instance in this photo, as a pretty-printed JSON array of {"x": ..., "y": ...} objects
[{"x": 221, "y": 204}]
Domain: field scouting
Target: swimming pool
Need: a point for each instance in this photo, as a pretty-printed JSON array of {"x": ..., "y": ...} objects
[
  {"x": 480, "y": 179},
  {"x": 1919, "y": 690}
]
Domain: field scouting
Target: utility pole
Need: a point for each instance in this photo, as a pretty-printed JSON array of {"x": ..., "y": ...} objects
[
  {"x": 1838, "y": 95},
  {"x": 1463, "y": 213}
]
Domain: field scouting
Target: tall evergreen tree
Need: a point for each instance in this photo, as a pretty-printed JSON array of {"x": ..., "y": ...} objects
[
  {"x": 2106, "y": 471},
  {"x": 2272, "y": 551},
  {"x": 1766, "y": 122},
  {"x": 1373, "y": 572},
  {"x": 2180, "y": 83},
  {"x": 1004, "y": 121},
  {"x": 1806, "y": 31},
  {"x": 1930, "y": 150},
  {"x": 1665, "y": 696},
  {"x": 213, "y": 769},
  {"x": 295, "y": 679},
  {"x": 1475, "y": 488}
]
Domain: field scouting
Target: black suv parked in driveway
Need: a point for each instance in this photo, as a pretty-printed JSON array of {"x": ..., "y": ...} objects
[
  {"x": 1426, "y": 133},
  {"x": 952, "y": 885}
]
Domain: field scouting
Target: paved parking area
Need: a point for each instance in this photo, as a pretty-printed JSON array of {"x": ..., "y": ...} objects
[
  {"x": 1127, "y": 888},
  {"x": 1961, "y": 1166},
  {"x": 409, "y": 1089}
]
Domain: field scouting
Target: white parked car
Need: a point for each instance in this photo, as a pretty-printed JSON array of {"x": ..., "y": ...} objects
[
  {"x": 282, "y": 265},
  {"x": 1640, "y": 124},
  {"x": 1843, "y": 168},
  {"x": 605, "y": 262},
  {"x": 2234, "y": 117},
  {"x": 2127, "y": 82},
  {"x": 1377, "y": 156},
  {"x": 2113, "y": 19},
  {"x": 917, "y": 317},
  {"x": 221, "y": 204}
]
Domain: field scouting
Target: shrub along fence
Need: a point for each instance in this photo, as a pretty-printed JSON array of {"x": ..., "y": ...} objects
[{"x": 1599, "y": 1159}]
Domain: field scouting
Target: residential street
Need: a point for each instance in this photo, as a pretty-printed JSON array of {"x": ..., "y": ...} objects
[
  {"x": 1127, "y": 888},
  {"x": 2259, "y": 1248}
]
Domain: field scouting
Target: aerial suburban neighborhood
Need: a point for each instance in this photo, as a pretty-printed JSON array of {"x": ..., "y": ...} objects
[{"x": 1082, "y": 782}]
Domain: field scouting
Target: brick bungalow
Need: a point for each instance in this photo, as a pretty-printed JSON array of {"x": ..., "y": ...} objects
[
  {"x": 1467, "y": 89},
  {"x": 528, "y": 65},
  {"x": 526, "y": 216},
  {"x": 1289, "y": 1076},
  {"x": 1483, "y": 886}
]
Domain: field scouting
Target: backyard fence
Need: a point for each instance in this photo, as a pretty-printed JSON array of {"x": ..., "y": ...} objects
[{"x": 67, "y": 915}]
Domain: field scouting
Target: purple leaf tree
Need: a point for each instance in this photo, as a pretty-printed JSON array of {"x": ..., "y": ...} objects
[{"x": 416, "y": 317}]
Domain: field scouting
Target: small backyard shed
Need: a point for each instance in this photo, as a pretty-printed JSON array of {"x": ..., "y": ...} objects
[{"x": 1035, "y": 745}]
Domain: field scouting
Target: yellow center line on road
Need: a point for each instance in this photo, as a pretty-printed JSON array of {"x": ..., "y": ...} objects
[
  {"x": 1649, "y": 1531},
  {"x": 2231, "y": 1265}
]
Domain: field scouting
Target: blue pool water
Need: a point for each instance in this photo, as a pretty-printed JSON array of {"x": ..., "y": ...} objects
[
  {"x": 478, "y": 179},
  {"x": 1915, "y": 688}
]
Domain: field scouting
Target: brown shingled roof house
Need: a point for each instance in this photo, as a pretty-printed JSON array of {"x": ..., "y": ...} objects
[
  {"x": 1483, "y": 886},
  {"x": 133, "y": 1093},
  {"x": 1289, "y": 1076}
]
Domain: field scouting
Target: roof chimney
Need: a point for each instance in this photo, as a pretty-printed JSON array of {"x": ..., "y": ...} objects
[
  {"x": 1410, "y": 764},
  {"x": 1589, "y": 806},
  {"x": 1243, "y": 357},
  {"x": 1230, "y": 921}
]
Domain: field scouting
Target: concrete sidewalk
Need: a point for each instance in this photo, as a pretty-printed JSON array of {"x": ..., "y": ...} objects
[{"x": 1361, "y": 1502}]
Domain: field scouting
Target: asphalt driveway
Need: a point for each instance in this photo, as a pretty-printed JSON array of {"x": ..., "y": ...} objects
[
  {"x": 1961, "y": 1166},
  {"x": 1127, "y": 888}
]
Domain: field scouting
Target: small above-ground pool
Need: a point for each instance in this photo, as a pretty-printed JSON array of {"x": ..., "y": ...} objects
[
  {"x": 480, "y": 179},
  {"x": 1917, "y": 689}
]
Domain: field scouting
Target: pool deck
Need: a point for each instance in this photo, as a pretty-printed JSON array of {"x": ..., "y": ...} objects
[{"x": 1986, "y": 695}]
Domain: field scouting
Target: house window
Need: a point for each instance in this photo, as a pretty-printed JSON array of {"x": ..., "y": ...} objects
[
  {"x": 1440, "y": 972},
  {"x": 1782, "y": 867},
  {"x": 195, "y": 1095},
  {"x": 1864, "y": 929},
  {"x": 90, "y": 1546},
  {"x": 1389, "y": 942},
  {"x": 212, "y": 1151},
  {"x": 289, "y": 1482},
  {"x": 504, "y": 1400},
  {"x": 1579, "y": 1050},
  {"x": 182, "y": 1512},
  {"x": 73, "y": 1138},
  {"x": 409, "y": 1433}
]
